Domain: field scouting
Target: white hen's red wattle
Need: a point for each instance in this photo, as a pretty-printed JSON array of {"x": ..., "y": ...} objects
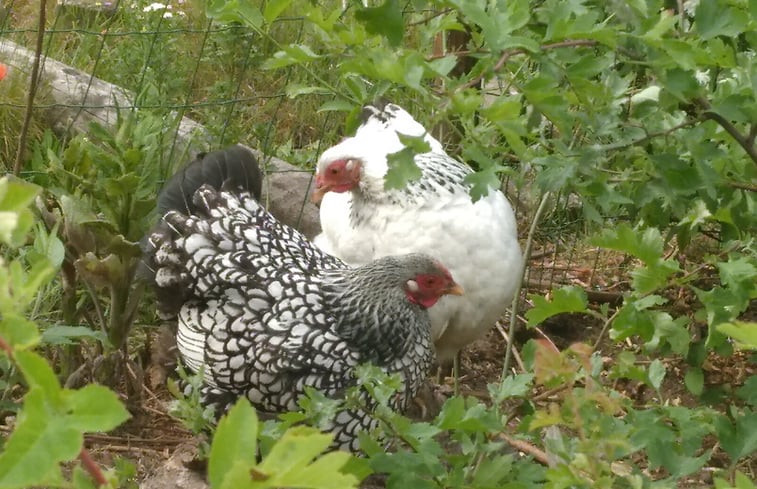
[{"x": 477, "y": 241}]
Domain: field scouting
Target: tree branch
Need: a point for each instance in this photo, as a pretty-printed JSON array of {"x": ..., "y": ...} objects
[
  {"x": 742, "y": 186},
  {"x": 430, "y": 17},
  {"x": 506, "y": 55},
  {"x": 745, "y": 141},
  {"x": 649, "y": 136}
]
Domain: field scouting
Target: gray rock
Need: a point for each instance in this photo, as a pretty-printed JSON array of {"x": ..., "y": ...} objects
[{"x": 286, "y": 194}]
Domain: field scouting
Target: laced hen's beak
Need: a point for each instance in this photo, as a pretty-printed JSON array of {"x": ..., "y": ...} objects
[{"x": 454, "y": 289}]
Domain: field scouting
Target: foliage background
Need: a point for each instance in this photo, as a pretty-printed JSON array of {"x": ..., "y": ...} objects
[{"x": 621, "y": 129}]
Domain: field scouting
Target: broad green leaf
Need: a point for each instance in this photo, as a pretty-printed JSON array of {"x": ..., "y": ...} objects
[
  {"x": 665, "y": 24},
  {"x": 656, "y": 373},
  {"x": 745, "y": 333},
  {"x": 290, "y": 463},
  {"x": 296, "y": 89},
  {"x": 18, "y": 332},
  {"x": 67, "y": 335},
  {"x": 9, "y": 221},
  {"x": 452, "y": 413},
  {"x": 290, "y": 55},
  {"x": 748, "y": 391},
  {"x": 385, "y": 20},
  {"x": 338, "y": 105},
  {"x": 647, "y": 279},
  {"x": 738, "y": 437},
  {"x": 511, "y": 386},
  {"x": 694, "y": 380},
  {"x": 274, "y": 8},
  {"x": 739, "y": 273},
  {"x": 16, "y": 195},
  {"x": 717, "y": 18},
  {"x": 94, "y": 408},
  {"x": 402, "y": 169},
  {"x": 646, "y": 245},
  {"x": 482, "y": 182},
  {"x": 229, "y": 11},
  {"x": 41, "y": 440},
  {"x": 234, "y": 443},
  {"x": 38, "y": 374},
  {"x": 565, "y": 299}
]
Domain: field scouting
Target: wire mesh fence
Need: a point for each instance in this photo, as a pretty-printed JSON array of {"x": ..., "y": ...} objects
[{"x": 207, "y": 84}]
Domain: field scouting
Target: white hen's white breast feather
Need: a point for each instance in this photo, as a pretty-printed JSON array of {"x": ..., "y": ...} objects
[{"x": 476, "y": 241}]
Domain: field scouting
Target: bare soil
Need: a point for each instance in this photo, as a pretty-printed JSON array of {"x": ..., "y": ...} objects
[{"x": 163, "y": 451}]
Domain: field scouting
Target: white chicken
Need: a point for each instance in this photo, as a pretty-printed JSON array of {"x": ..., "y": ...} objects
[{"x": 362, "y": 220}]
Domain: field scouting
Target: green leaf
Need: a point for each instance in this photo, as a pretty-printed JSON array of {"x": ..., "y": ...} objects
[
  {"x": 656, "y": 373},
  {"x": 694, "y": 380},
  {"x": 565, "y": 299},
  {"x": 296, "y": 89},
  {"x": 402, "y": 168},
  {"x": 234, "y": 443},
  {"x": 41, "y": 440},
  {"x": 18, "y": 332},
  {"x": 716, "y": 18},
  {"x": 274, "y": 8},
  {"x": 511, "y": 386},
  {"x": 291, "y": 54},
  {"x": 738, "y": 437},
  {"x": 65, "y": 335},
  {"x": 338, "y": 105},
  {"x": 665, "y": 24},
  {"x": 384, "y": 20},
  {"x": 94, "y": 408},
  {"x": 748, "y": 391},
  {"x": 38, "y": 373},
  {"x": 230, "y": 11},
  {"x": 646, "y": 245},
  {"x": 290, "y": 462},
  {"x": 738, "y": 273},
  {"x": 745, "y": 333}
]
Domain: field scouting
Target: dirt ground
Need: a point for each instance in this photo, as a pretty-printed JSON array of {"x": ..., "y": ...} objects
[{"x": 163, "y": 451}]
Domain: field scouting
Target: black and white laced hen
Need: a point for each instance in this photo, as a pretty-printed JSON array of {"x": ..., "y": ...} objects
[
  {"x": 265, "y": 313},
  {"x": 362, "y": 221}
]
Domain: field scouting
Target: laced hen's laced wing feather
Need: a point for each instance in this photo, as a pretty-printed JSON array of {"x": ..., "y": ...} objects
[
  {"x": 264, "y": 313},
  {"x": 477, "y": 241}
]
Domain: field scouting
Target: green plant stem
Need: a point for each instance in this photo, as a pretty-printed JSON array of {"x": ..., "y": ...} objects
[
  {"x": 606, "y": 325},
  {"x": 32, "y": 90},
  {"x": 516, "y": 297},
  {"x": 98, "y": 309}
]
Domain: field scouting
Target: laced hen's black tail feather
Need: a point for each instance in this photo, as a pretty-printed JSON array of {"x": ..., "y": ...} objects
[{"x": 234, "y": 166}]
